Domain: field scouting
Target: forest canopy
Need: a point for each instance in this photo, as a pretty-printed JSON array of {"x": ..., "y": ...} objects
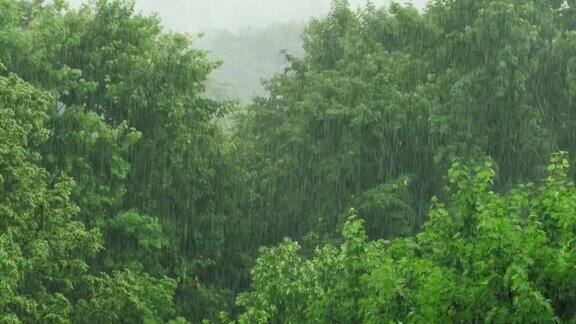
[{"x": 407, "y": 166}]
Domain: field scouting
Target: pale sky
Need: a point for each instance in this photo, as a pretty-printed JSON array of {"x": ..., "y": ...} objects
[{"x": 200, "y": 15}]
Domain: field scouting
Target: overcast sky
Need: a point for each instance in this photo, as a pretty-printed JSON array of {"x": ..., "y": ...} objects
[{"x": 200, "y": 15}]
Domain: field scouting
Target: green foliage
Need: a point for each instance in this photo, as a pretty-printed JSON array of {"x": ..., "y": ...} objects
[
  {"x": 83, "y": 146},
  {"x": 480, "y": 256},
  {"x": 386, "y": 208},
  {"x": 129, "y": 297},
  {"x": 122, "y": 199},
  {"x": 383, "y": 94},
  {"x": 130, "y": 124},
  {"x": 143, "y": 242},
  {"x": 43, "y": 244}
]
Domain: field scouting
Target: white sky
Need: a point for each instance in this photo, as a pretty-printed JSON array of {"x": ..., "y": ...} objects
[{"x": 200, "y": 15}]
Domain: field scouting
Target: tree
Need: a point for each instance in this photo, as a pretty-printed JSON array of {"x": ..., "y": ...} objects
[
  {"x": 387, "y": 94},
  {"x": 44, "y": 245},
  {"x": 133, "y": 128},
  {"x": 480, "y": 256}
]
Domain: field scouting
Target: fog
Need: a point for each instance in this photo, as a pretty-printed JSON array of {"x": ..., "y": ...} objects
[
  {"x": 200, "y": 15},
  {"x": 247, "y": 36}
]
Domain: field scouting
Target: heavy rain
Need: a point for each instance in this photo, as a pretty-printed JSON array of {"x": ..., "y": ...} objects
[{"x": 287, "y": 161}]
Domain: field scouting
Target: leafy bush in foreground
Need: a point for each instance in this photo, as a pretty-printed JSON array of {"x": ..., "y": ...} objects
[{"x": 481, "y": 256}]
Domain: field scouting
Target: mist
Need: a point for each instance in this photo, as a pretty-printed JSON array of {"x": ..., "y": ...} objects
[
  {"x": 233, "y": 15},
  {"x": 247, "y": 37}
]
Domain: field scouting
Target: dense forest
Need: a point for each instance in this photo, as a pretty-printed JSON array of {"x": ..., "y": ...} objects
[{"x": 406, "y": 166}]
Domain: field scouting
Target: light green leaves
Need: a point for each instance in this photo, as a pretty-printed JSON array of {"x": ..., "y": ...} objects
[{"x": 476, "y": 259}]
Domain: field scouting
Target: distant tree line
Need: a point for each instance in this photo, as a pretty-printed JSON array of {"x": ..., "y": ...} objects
[{"x": 248, "y": 57}]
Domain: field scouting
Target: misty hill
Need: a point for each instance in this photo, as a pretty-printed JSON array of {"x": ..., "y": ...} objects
[{"x": 249, "y": 56}]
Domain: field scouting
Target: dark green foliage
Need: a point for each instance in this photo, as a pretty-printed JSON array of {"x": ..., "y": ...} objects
[
  {"x": 86, "y": 148},
  {"x": 45, "y": 247},
  {"x": 131, "y": 126},
  {"x": 123, "y": 199},
  {"x": 385, "y": 94},
  {"x": 128, "y": 297}
]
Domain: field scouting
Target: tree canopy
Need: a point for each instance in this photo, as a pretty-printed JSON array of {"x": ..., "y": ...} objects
[
  {"x": 481, "y": 256},
  {"x": 408, "y": 152}
]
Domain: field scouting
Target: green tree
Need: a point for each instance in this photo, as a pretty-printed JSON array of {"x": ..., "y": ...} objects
[
  {"x": 43, "y": 243},
  {"x": 480, "y": 256},
  {"x": 133, "y": 127},
  {"x": 385, "y": 94}
]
